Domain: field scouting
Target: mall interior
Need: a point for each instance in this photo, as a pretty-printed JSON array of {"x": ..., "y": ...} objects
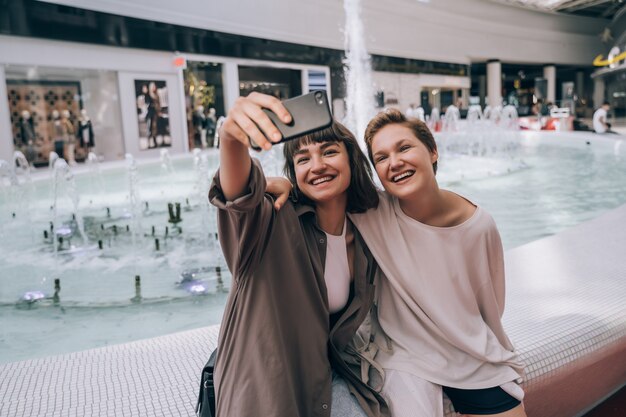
[
  {"x": 123, "y": 101},
  {"x": 96, "y": 55}
]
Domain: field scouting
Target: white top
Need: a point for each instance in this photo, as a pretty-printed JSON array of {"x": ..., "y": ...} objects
[
  {"x": 441, "y": 302},
  {"x": 598, "y": 117},
  {"x": 337, "y": 271}
]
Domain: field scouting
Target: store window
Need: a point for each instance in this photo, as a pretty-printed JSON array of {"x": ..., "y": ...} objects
[
  {"x": 204, "y": 98},
  {"x": 278, "y": 82},
  {"x": 68, "y": 111},
  {"x": 440, "y": 98}
]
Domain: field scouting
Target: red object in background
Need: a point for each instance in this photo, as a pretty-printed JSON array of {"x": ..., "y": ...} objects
[
  {"x": 551, "y": 124},
  {"x": 180, "y": 62}
]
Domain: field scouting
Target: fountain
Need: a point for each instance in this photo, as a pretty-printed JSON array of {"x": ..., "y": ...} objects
[
  {"x": 134, "y": 199},
  {"x": 434, "y": 119},
  {"x": 419, "y": 114},
  {"x": 451, "y": 120},
  {"x": 141, "y": 258},
  {"x": 474, "y": 114},
  {"x": 509, "y": 118},
  {"x": 97, "y": 180},
  {"x": 360, "y": 106},
  {"x": 64, "y": 183}
]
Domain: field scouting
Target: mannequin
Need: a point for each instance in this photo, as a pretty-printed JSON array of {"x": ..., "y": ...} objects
[
  {"x": 198, "y": 120},
  {"x": 163, "y": 136},
  {"x": 152, "y": 116},
  {"x": 28, "y": 136},
  {"x": 210, "y": 126},
  {"x": 68, "y": 136},
  {"x": 84, "y": 131},
  {"x": 27, "y": 129},
  {"x": 58, "y": 134}
]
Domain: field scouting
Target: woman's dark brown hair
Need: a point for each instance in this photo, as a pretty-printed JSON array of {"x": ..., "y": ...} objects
[
  {"x": 395, "y": 117},
  {"x": 362, "y": 193}
]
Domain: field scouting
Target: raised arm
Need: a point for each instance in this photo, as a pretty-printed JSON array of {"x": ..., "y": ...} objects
[{"x": 245, "y": 122}]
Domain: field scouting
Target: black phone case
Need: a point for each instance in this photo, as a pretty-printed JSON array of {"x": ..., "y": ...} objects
[{"x": 309, "y": 113}]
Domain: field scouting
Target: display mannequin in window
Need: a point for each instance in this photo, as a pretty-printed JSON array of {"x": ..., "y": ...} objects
[
  {"x": 211, "y": 119},
  {"x": 27, "y": 136},
  {"x": 163, "y": 121},
  {"x": 68, "y": 136},
  {"x": 84, "y": 131},
  {"x": 154, "y": 110},
  {"x": 198, "y": 120}
]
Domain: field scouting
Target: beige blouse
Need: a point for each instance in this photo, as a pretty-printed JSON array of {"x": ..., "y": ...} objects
[{"x": 442, "y": 299}]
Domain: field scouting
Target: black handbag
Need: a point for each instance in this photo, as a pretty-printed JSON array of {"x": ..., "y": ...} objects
[{"x": 206, "y": 398}]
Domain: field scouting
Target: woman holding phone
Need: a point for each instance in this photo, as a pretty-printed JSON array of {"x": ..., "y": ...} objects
[
  {"x": 441, "y": 298},
  {"x": 302, "y": 277}
]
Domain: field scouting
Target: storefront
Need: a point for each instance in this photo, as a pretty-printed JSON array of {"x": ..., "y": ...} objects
[
  {"x": 77, "y": 98},
  {"x": 430, "y": 91},
  {"x": 81, "y": 98},
  {"x": 64, "y": 110},
  {"x": 80, "y": 81}
]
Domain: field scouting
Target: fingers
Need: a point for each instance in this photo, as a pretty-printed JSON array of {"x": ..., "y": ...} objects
[
  {"x": 230, "y": 130},
  {"x": 247, "y": 122},
  {"x": 249, "y": 128},
  {"x": 279, "y": 188},
  {"x": 281, "y": 200},
  {"x": 271, "y": 103}
]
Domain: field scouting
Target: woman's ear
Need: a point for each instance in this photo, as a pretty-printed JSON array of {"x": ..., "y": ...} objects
[{"x": 434, "y": 156}]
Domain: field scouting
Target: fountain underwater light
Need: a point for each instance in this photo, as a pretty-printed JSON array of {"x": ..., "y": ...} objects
[{"x": 202, "y": 281}]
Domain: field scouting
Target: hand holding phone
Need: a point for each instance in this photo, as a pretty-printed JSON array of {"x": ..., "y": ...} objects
[
  {"x": 309, "y": 113},
  {"x": 247, "y": 123}
]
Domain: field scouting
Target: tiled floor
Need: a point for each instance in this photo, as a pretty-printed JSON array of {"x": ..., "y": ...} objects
[{"x": 565, "y": 301}]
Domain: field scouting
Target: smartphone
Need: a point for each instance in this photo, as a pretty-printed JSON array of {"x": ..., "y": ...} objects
[{"x": 309, "y": 113}]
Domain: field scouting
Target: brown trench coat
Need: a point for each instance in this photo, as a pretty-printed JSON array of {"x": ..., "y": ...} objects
[{"x": 276, "y": 347}]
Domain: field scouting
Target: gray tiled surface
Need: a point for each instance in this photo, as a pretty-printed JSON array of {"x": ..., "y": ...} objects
[
  {"x": 153, "y": 377},
  {"x": 566, "y": 294},
  {"x": 566, "y": 298}
]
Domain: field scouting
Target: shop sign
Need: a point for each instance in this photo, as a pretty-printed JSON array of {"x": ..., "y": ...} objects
[{"x": 615, "y": 56}]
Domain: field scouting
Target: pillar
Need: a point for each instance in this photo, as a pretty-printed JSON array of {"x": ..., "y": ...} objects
[
  {"x": 549, "y": 73},
  {"x": 482, "y": 89},
  {"x": 494, "y": 82},
  {"x": 230, "y": 77},
  {"x": 598, "y": 92},
  {"x": 580, "y": 84},
  {"x": 6, "y": 133}
]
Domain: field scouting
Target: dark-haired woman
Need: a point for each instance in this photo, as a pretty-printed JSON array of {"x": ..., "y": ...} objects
[{"x": 302, "y": 277}]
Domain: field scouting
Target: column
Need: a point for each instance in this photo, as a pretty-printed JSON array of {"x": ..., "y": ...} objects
[
  {"x": 549, "y": 73},
  {"x": 494, "y": 82},
  {"x": 230, "y": 75},
  {"x": 482, "y": 89},
  {"x": 6, "y": 133},
  {"x": 580, "y": 84},
  {"x": 598, "y": 92}
]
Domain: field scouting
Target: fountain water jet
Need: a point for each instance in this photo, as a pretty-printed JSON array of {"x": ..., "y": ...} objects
[
  {"x": 64, "y": 179},
  {"x": 357, "y": 67}
]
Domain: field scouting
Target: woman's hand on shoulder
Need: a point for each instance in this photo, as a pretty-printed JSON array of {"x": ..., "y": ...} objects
[
  {"x": 280, "y": 188},
  {"x": 247, "y": 122}
]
